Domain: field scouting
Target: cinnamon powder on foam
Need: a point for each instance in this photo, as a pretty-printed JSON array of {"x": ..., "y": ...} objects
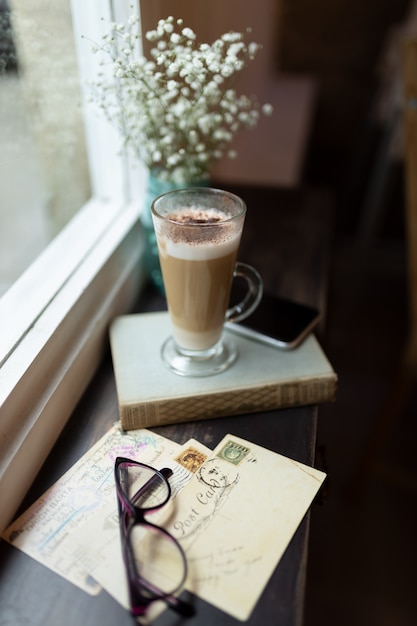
[{"x": 194, "y": 216}]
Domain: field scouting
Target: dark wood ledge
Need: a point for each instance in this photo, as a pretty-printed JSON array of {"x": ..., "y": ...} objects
[{"x": 287, "y": 237}]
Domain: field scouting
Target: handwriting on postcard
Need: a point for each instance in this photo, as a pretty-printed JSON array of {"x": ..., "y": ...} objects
[
  {"x": 85, "y": 489},
  {"x": 235, "y": 519},
  {"x": 97, "y": 543}
]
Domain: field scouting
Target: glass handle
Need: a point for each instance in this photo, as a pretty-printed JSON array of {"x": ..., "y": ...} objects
[{"x": 253, "y": 296}]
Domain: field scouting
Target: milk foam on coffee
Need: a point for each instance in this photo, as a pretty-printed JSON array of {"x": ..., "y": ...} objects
[
  {"x": 198, "y": 249},
  {"x": 211, "y": 243}
]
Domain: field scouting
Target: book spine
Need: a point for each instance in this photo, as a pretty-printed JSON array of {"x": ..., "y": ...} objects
[{"x": 233, "y": 402}]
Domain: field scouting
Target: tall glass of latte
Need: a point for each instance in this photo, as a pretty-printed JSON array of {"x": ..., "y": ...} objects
[{"x": 198, "y": 232}]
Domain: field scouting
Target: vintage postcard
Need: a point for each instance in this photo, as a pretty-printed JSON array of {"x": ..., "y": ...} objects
[
  {"x": 86, "y": 489},
  {"x": 235, "y": 519}
]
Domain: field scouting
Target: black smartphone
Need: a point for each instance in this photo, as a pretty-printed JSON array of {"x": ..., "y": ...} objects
[{"x": 279, "y": 322}]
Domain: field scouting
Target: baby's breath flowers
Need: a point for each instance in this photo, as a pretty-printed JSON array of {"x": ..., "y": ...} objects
[{"x": 177, "y": 110}]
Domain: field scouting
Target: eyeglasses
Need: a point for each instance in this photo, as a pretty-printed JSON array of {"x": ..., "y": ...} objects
[{"x": 155, "y": 563}]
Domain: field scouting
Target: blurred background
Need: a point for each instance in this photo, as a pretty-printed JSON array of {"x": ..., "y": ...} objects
[{"x": 363, "y": 545}]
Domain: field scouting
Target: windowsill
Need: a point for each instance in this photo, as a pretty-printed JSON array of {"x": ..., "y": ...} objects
[
  {"x": 47, "y": 364},
  {"x": 54, "y": 319}
]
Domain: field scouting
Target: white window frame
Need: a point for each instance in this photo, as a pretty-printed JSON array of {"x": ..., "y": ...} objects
[{"x": 54, "y": 320}]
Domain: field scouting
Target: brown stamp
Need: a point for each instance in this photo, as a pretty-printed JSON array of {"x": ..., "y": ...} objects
[{"x": 191, "y": 459}]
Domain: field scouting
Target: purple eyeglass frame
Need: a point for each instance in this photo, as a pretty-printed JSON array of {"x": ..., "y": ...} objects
[{"x": 131, "y": 515}]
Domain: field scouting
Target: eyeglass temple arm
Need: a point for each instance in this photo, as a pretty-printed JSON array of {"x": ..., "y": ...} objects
[{"x": 180, "y": 606}]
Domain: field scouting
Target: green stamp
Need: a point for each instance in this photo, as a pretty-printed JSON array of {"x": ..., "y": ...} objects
[{"x": 233, "y": 452}]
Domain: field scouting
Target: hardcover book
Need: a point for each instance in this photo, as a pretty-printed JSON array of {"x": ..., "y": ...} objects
[{"x": 262, "y": 378}]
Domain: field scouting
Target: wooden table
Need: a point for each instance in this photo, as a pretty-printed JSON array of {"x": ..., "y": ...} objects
[{"x": 290, "y": 247}]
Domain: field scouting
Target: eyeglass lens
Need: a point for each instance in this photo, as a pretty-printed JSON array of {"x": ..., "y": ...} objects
[
  {"x": 142, "y": 486},
  {"x": 158, "y": 560}
]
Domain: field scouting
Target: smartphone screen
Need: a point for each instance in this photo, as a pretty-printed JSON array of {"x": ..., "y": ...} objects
[{"x": 277, "y": 321}]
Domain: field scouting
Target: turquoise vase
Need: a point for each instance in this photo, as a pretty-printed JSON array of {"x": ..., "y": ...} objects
[{"x": 157, "y": 187}]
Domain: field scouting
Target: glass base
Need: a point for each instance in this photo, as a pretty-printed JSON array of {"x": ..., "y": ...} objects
[{"x": 199, "y": 363}]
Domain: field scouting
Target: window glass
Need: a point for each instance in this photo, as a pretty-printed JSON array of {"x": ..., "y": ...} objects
[{"x": 44, "y": 177}]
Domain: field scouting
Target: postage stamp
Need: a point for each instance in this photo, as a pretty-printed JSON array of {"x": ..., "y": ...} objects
[
  {"x": 191, "y": 459},
  {"x": 233, "y": 452},
  {"x": 218, "y": 473}
]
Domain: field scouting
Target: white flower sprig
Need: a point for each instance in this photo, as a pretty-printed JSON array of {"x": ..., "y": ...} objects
[{"x": 178, "y": 110}]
